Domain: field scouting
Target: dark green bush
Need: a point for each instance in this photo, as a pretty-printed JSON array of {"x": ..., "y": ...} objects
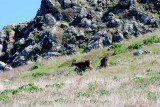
[
  {"x": 4, "y": 98},
  {"x": 83, "y": 94},
  {"x": 112, "y": 63},
  {"x": 30, "y": 88},
  {"x": 116, "y": 45},
  {"x": 39, "y": 74},
  {"x": 36, "y": 66},
  {"x": 5, "y": 92},
  {"x": 119, "y": 51},
  {"x": 91, "y": 86},
  {"x": 56, "y": 85},
  {"x": 135, "y": 45},
  {"x": 103, "y": 92},
  {"x": 151, "y": 40},
  {"x": 57, "y": 8}
]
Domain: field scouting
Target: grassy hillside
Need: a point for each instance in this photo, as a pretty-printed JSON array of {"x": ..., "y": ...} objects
[{"x": 129, "y": 81}]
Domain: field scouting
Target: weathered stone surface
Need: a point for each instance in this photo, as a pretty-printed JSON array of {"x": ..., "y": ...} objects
[
  {"x": 138, "y": 53},
  {"x": 50, "y": 19},
  {"x": 4, "y": 67}
]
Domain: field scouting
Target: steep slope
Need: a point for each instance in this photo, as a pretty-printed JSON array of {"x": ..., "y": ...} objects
[
  {"x": 66, "y": 27},
  {"x": 129, "y": 80}
]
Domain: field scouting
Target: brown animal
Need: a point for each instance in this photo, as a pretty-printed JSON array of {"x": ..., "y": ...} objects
[
  {"x": 105, "y": 61},
  {"x": 82, "y": 65}
]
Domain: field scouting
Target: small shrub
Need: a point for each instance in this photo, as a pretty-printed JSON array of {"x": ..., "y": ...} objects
[
  {"x": 68, "y": 14},
  {"x": 59, "y": 100},
  {"x": 93, "y": 101},
  {"x": 112, "y": 63},
  {"x": 39, "y": 74},
  {"x": 36, "y": 66},
  {"x": 114, "y": 3},
  {"x": 151, "y": 40},
  {"x": 82, "y": 47},
  {"x": 115, "y": 78},
  {"x": 140, "y": 79},
  {"x": 91, "y": 86},
  {"x": 135, "y": 45},
  {"x": 83, "y": 94},
  {"x": 103, "y": 92},
  {"x": 149, "y": 70},
  {"x": 56, "y": 85},
  {"x": 30, "y": 88},
  {"x": 116, "y": 45},
  {"x": 57, "y": 8},
  {"x": 119, "y": 51},
  {"x": 17, "y": 44},
  {"x": 151, "y": 96},
  {"x": 4, "y": 98},
  {"x": 12, "y": 91},
  {"x": 70, "y": 72}
]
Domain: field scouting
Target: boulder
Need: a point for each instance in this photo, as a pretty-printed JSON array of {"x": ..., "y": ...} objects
[
  {"x": 96, "y": 43},
  {"x": 138, "y": 53},
  {"x": 124, "y": 3},
  {"x": 117, "y": 37},
  {"x": 50, "y": 20},
  {"x": 4, "y": 67},
  {"x": 19, "y": 61},
  {"x": 86, "y": 22},
  {"x": 67, "y": 3},
  {"x": 147, "y": 52},
  {"x": 114, "y": 23},
  {"x": 51, "y": 54},
  {"x": 83, "y": 13}
]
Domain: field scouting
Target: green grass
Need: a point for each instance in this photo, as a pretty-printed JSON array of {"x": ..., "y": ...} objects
[
  {"x": 39, "y": 74},
  {"x": 36, "y": 66},
  {"x": 130, "y": 80}
]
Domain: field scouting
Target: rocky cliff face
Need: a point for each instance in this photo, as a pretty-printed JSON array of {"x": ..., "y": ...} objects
[{"x": 65, "y": 27}]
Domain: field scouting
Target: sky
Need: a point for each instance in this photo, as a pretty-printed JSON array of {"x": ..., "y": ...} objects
[{"x": 17, "y": 11}]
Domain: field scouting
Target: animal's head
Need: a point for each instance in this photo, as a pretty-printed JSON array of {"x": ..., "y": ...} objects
[{"x": 73, "y": 62}]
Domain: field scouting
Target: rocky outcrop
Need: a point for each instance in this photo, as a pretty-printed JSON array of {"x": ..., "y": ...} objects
[
  {"x": 4, "y": 67},
  {"x": 65, "y": 27}
]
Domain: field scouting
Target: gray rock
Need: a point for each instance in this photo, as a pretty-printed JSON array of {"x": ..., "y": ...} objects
[
  {"x": 50, "y": 19},
  {"x": 124, "y": 2},
  {"x": 86, "y": 22},
  {"x": 144, "y": 18},
  {"x": 67, "y": 3},
  {"x": 118, "y": 37},
  {"x": 138, "y": 53},
  {"x": 96, "y": 43},
  {"x": 51, "y": 54},
  {"x": 6, "y": 80},
  {"x": 147, "y": 52},
  {"x": 83, "y": 13},
  {"x": 28, "y": 49},
  {"x": 19, "y": 61},
  {"x": 128, "y": 27},
  {"x": 81, "y": 33},
  {"x": 1, "y": 48},
  {"x": 4, "y": 67},
  {"x": 22, "y": 41},
  {"x": 107, "y": 40},
  {"x": 114, "y": 23},
  {"x": 64, "y": 25},
  {"x": 74, "y": 2}
]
